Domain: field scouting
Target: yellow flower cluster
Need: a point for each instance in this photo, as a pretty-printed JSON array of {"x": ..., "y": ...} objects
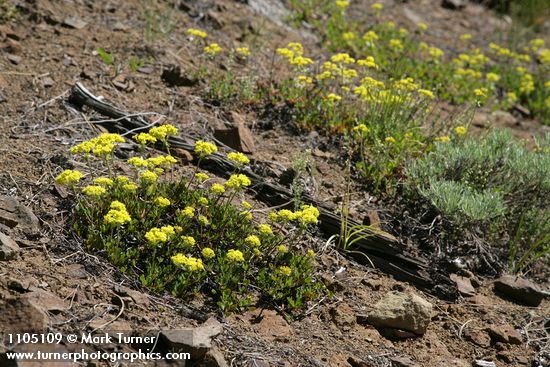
[
  {"x": 443, "y": 139},
  {"x": 188, "y": 241},
  {"x": 294, "y": 54},
  {"x": 145, "y": 138},
  {"x": 238, "y": 158},
  {"x": 492, "y": 77},
  {"x": 308, "y": 215},
  {"x": 527, "y": 84},
  {"x": 396, "y": 44},
  {"x": 285, "y": 270},
  {"x": 265, "y": 229},
  {"x": 213, "y": 49},
  {"x": 370, "y": 37},
  {"x": 203, "y": 221},
  {"x": 208, "y": 253},
  {"x": 93, "y": 190},
  {"x": 204, "y": 148},
  {"x": 282, "y": 249},
  {"x": 368, "y": 62},
  {"x": 334, "y": 97},
  {"x": 190, "y": 263},
  {"x": 252, "y": 241},
  {"x": 342, "y": 4},
  {"x": 235, "y": 255},
  {"x": 188, "y": 212},
  {"x": 217, "y": 189},
  {"x": 377, "y": 6},
  {"x": 162, "y": 202},
  {"x": 100, "y": 146},
  {"x": 426, "y": 93},
  {"x": 160, "y": 161},
  {"x": 130, "y": 186},
  {"x": 243, "y": 52},
  {"x": 461, "y": 130},
  {"x": 69, "y": 177},
  {"x": 163, "y": 132},
  {"x": 117, "y": 215},
  {"x": 148, "y": 176},
  {"x": 196, "y": 33},
  {"x": 237, "y": 181},
  {"x": 103, "y": 181},
  {"x": 360, "y": 129},
  {"x": 201, "y": 177},
  {"x": 159, "y": 235}
]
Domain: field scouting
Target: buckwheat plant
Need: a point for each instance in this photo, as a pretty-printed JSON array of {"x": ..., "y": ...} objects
[{"x": 189, "y": 235}]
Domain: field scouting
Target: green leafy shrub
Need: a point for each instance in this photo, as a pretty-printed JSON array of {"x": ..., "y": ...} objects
[
  {"x": 494, "y": 182},
  {"x": 185, "y": 235}
]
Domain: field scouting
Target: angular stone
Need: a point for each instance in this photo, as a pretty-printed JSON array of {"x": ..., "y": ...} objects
[
  {"x": 343, "y": 316},
  {"x": 463, "y": 284},
  {"x": 214, "y": 358},
  {"x": 481, "y": 363},
  {"x": 478, "y": 337},
  {"x": 19, "y": 314},
  {"x": 196, "y": 341},
  {"x": 402, "y": 310},
  {"x": 75, "y": 22},
  {"x": 45, "y": 301},
  {"x": 13, "y": 214},
  {"x": 520, "y": 290},
  {"x": 402, "y": 362},
  {"x": 238, "y": 137},
  {"x": 504, "y": 334},
  {"x": 8, "y": 248}
]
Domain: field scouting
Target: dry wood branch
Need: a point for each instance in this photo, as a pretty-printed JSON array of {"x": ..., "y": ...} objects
[{"x": 383, "y": 249}]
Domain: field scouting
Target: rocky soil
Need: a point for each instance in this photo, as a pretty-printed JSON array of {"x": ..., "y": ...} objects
[{"x": 49, "y": 283}]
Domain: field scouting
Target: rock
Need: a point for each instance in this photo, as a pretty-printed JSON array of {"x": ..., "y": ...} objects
[
  {"x": 123, "y": 82},
  {"x": 196, "y": 341},
  {"x": 75, "y": 22},
  {"x": 14, "y": 59},
  {"x": 356, "y": 362},
  {"x": 13, "y": 214},
  {"x": 505, "y": 357},
  {"x": 183, "y": 154},
  {"x": 138, "y": 298},
  {"x": 481, "y": 363},
  {"x": 45, "y": 301},
  {"x": 402, "y": 310},
  {"x": 12, "y": 47},
  {"x": 47, "y": 82},
  {"x": 504, "y": 334},
  {"x": 214, "y": 358},
  {"x": 463, "y": 284},
  {"x": 172, "y": 77},
  {"x": 453, "y": 4},
  {"x": 19, "y": 314},
  {"x": 257, "y": 363},
  {"x": 238, "y": 137},
  {"x": 76, "y": 271},
  {"x": 503, "y": 118},
  {"x": 402, "y": 362},
  {"x": 271, "y": 325},
  {"x": 478, "y": 337},
  {"x": 520, "y": 290},
  {"x": 8, "y": 248},
  {"x": 343, "y": 316}
]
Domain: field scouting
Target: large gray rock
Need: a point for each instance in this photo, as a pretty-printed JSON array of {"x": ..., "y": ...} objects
[
  {"x": 520, "y": 290},
  {"x": 13, "y": 213},
  {"x": 8, "y": 247},
  {"x": 196, "y": 341},
  {"x": 402, "y": 310}
]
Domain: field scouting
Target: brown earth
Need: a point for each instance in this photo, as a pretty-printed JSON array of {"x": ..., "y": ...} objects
[{"x": 55, "y": 285}]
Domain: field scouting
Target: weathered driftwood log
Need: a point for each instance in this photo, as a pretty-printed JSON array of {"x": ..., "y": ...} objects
[{"x": 381, "y": 248}]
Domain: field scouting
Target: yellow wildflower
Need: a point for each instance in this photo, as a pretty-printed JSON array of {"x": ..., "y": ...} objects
[
  {"x": 237, "y": 181},
  {"x": 361, "y": 129},
  {"x": 422, "y": 26},
  {"x": 238, "y": 157},
  {"x": 235, "y": 255},
  {"x": 426, "y": 93},
  {"x": 103, "y": 181},
  {"x": 201, "y": 177},
  {"x": 148, "y": 176},
  {"x": 461, "y": 130},
  {"x": 129, "y": 187},
  {"x": 163, "y": 132},
  {"x": 117, "y": 214},
  {"x": 212, "y": 49},
  {"x": 155, "y": 236},
  {"x": 444, "y": 139},
  {"x": 348, "y": 36},
  {"x": 253, "y": 241},
  {"x": 203, "y": 221},
  {"x": 190, "y": 263},
  {"x": 144, "y": 138},
  {"x": 217, "y": 189},
  {"x": 246, "y": 205},
  {"x": 492, "y": 77},
  {"x": 390, "y": 139},
  {"x": 396, "y": 44},
  {"x": 196, "y": 32},
  {"x": 466, "y": 37},
  {"x": 137, "y": 162},
  {"x": 243, "y": 52},
  {"x": 342, "y": 4},
  {"x": 377, "y": 6},
  {"x": 93, "y": 190},
  {"x": 208, "y": 253},
  {"x": 69, "y": 177},
  {"x": 202, "y": 201},
  {"x": 188, "y": 241},
  {"x": 162, "y": 202},
  {"x": 334, "y": 97},
  {"x": 282, "y": 249},
  {"x": 204, "y": 148},
  {"x": 246, "y": 215},
  {"x": 370, "y": 37},
  {"x": 310, "y": 253},
  {"x": 188, "y": 212},
  {"x": 480, "y": 92},
  {"x": 265, "y": 229},
  {"x": 285, "y": 270}
]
